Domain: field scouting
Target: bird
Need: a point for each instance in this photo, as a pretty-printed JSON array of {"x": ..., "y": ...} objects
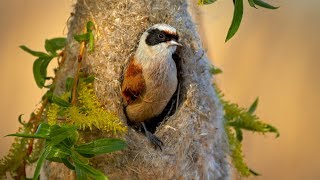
[{"x": 150, "y": 79}]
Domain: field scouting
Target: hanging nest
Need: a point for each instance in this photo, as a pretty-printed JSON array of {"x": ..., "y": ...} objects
[{"x": 194, "y": 137}]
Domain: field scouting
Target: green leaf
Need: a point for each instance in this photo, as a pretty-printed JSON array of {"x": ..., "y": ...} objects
[
  {"x": 254, "y": 126},
  {"x": 236, "y": 21},
  {"x": 264, "y": 4},
  {"x": 68, "y": 164},
  {"x": 101, "y": 146},
  {"x": 70, "y": 141},
  {"x": 272, "y": 129},
  {"x": 78, "y": 158},
  {"x": 91, "y": 42},
  {"x": 69, "y": 84},
  {"x": 57, "y": 100},
  {"x": 21, "y": 121},
  {"x": 58, "y": 133},
  {"x": 214, "y": 70},
  {"x": 236, "y": 153},
  {"x": 90, "y": 26},
  {"x": 58, "y": 152},
  {"x": 254, "y": 172},
  {"x": 40, "y": 80},
  {"x": 87, "y": 37},
  {"x": 40, "y": 66},
  {"x": 55, "y": 44},
  {"x": 43, "y": 130},
  {"x": 251, "y": 2},
  {"x": 83, "y": 170},
  {"x": 44, "y": 66},
  {"x": 34, "y": 53},
  {"x": 27, "y": 135},
  {"x": 82, "y": 37},
  {"x": 254, "y": 105},
  {"x": 239, "y": 134},
  {"x": 80, "y": 172},
  {"x": 205, "y": 2},
  {"x": 40, "y": 162}
]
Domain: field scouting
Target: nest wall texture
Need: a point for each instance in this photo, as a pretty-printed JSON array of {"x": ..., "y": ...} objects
[{"x": 194, "y": 138}]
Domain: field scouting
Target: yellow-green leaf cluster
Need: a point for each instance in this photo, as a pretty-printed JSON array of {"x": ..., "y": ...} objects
[
  {"x": 236, "y": 153},
  {"x": 17, "y": 153},
  {"x": 52, "y": 114},
  {"x": 87, "y": 113},
  {"x": 238, "y": 119}
]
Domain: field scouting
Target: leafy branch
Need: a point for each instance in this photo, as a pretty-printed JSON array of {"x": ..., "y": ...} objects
[
  {"x": 40, "y": 65},
  {"x": 17, "y": 163},
  {"x": 76, "y": 109},
  {"x": 60, "y": 146},
  {"x": 238, "y": 119},
  {"x": 238, "y": 13}
]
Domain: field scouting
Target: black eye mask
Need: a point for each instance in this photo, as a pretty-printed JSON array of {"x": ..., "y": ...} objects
[{"x": 156, "y": 36}]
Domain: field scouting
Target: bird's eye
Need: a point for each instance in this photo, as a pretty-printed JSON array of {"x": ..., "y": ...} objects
[{"x": 161, "y": 36}]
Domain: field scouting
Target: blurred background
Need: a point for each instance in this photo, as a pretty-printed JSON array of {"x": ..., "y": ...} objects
[{"x": 274, "y": 56}]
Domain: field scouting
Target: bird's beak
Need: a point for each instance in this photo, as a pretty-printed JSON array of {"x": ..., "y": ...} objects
[{"x": 174, "y": 43}]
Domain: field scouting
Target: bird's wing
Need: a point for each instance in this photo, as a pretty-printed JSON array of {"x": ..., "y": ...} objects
[{"x": 133, "y": 84}]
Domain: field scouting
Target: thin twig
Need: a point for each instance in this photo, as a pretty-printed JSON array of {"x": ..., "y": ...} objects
[
  {"x": 76, "y": 77},
  {"x": 35, "y": 121}
]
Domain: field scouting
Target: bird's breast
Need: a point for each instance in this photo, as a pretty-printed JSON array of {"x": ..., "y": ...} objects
[
  {"x": 161, "y": 83},
  {"x": 161, "y": 74}
]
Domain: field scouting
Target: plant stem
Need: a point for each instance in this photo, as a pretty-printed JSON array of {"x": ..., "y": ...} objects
[
  {"x": 35, "y": 122},
  {"x": 76, "y": 77}
]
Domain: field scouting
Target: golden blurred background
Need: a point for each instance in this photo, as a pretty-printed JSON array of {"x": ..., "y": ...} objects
[{"x": 274, "y": 56}]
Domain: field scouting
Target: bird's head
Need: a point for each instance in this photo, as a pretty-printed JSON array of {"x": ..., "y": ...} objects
[{"x": 160, "y": 40}]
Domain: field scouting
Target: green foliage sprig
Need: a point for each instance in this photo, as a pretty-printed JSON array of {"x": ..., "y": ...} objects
[
  {"x": 238, "y": 119},
  {"x": 238, "y": 13},
  {"x": 17, "y": 153},
  {"x": 61, "y": 146},
  {"x": 40, "y": 65},
  {"x": 87, "y": 37},
  {"x": 86, "y": 113},
  {"x": 76, "y": 109}
]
